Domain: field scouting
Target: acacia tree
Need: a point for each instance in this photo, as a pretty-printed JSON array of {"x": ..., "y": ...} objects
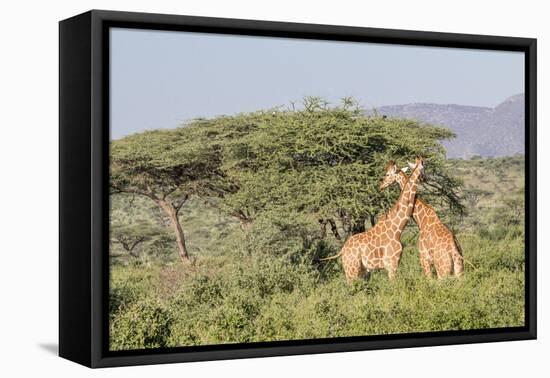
[
  {"x": 327, "y": 162},
  {"x": 168, "y": 167},
  {"x": 131, "y": 237},
  {"x": 318, "y": 164}
]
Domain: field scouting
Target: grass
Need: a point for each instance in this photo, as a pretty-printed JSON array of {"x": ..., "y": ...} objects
[{"x": 234, "y": 294}]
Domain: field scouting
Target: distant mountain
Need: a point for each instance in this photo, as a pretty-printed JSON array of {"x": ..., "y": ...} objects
[{"x": 488, "y": 132}]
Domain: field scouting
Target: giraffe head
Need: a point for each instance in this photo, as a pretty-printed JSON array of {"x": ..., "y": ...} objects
[
  {"x": 392, "y": 175},
  {"x": 419, "y": 165}
]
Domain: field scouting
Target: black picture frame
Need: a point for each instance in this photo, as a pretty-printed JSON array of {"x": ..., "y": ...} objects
[{"x": 83, "y": 195}]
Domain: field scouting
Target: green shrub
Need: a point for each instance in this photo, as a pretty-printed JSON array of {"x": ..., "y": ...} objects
[
  {"x": 144, "y": 324},
  {"x": 268, "y": 284},
  {"x": 127, "y": 285}
]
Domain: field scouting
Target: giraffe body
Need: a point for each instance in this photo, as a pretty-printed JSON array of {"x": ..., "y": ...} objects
[
  {"x": 437, "y": 245},
  {"x": 380, "y": 246},
  {"x": 377, "y": 248}
]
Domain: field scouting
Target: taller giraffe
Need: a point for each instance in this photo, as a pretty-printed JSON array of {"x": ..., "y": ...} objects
[
  {"x": 437, "y": 244},
  {"x": 380, "y": 246}
]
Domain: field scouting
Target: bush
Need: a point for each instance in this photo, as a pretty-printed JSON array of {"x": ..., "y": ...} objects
[
  {"x": 268, "y": 284},
  {"x": 127, "y": 285},
  {"x": 262, "y": 298},
  {"x": 144, "y": 324}
]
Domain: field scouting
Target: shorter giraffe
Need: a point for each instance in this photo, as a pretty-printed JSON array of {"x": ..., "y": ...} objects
[
  {"x": 380, "y": 246},
  {"x": 437, "y": 244}
]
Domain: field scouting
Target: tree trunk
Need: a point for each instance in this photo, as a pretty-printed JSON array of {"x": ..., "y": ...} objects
[
  {"x": 323, "y": 223},
  {"x": 172, "y": 213},
  {"x": 334, "y": 229},
  {"x": 372, "y": 220},
  {"x": 358, "y": 226}
]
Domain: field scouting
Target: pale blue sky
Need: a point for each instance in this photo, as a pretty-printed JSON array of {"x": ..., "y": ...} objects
[{"x": 160, "y": 79}]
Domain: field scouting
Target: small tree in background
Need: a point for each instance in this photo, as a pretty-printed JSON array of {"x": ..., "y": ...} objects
[{"x": 131, "y": 237}]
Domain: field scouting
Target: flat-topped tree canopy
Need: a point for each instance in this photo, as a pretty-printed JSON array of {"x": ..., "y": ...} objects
[
  {"x": 325, "y": 160},
  {"x": 167, "y": 166},
  {"x": 321, "y": 160}
]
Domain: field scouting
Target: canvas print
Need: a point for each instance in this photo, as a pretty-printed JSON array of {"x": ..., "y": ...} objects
[{"x": 275, "y": 189}]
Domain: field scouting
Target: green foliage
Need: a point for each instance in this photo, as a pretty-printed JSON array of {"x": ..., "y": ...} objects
[
  {"x": 164, "y": 164},
  {"x": 322, "y": 161},
  {"x": 264, "y": 299},
  {"x": 257, "y": 287},
  {"x": 137, "y": 232},
  {"x": 144, "y": 324},
  {"x": 494, "y": 192},
  {"x": 168, "y": 167},
  {"x": 127, "y": 286}
]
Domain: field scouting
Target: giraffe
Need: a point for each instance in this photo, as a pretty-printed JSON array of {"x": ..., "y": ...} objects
[
  {"x": 380, "y": 246},
  {"x": 437, "y": 244}
]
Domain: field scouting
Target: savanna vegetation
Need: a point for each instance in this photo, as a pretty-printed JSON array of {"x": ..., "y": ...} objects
[{"x": 217, "y": 228}]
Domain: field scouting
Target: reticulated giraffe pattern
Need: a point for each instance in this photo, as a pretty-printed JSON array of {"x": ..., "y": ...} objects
[
  {"x": 437, "y": 245},
  {"x": 380, "y": 246}
]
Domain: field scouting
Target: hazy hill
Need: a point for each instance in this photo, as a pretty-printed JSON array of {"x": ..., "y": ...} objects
[{"x": 488, "y": 132}]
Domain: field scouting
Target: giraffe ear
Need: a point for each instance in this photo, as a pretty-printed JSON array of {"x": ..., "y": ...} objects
[
  {"x": 411, "y": 165},
  {"x": 405, "y": 169}
]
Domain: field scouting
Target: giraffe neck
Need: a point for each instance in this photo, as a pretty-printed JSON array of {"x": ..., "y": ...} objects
[
  {"x": 422, "y": 213},
  {"x": 405, "y": 205}
]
